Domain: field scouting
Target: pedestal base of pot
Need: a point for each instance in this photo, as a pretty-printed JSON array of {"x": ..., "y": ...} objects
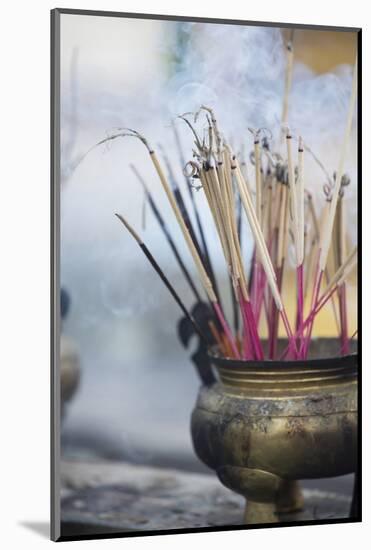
[
  {"x": 265, "y": 425},
  {"x": 267, "y": 496},
  {"x": 260, "y": 512},
  {"x": 290, "y": 498}
]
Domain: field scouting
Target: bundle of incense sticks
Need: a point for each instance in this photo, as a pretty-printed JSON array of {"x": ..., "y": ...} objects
[{"x": 279, "y": 212}]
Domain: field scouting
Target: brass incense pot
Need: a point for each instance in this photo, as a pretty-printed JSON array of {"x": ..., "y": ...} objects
[{"x": 264, "y": 425}]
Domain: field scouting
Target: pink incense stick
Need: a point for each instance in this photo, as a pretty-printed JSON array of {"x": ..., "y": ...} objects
[
  {"x": 316, "y": 289},
  {"x": 251, "y": 326},
  {"x": 274, "y": 321},
  {"x": 292, "y": 344},
  {"x": 349, "y": 340},
  {"x": 226, "y": 329},
  {"x": 246, "y": 341},
  {"x": 255, "y": 286},
  {"x": 343, "y": 319},
  {"x": 261, "y": 278},
  {"x": 248, "y": 347},
  {"x": 262, "y": 283},
  {"x": 320, "y": 304},
  {"x": 300, "y": 311}
]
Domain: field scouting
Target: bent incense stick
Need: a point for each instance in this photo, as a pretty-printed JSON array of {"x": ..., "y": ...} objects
[
  {"x": 279, "y": 221},
  {"x": 276, "y": 216},
  {"x": 191, "y": 246}
]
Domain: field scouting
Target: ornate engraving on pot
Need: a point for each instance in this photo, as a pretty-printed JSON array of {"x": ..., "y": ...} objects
[{"x": 264, "y": 425}]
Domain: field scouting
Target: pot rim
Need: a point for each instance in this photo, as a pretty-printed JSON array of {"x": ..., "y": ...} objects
[
  {"x": 342, "y": 363},
  {"x": 267, "y": 378}
]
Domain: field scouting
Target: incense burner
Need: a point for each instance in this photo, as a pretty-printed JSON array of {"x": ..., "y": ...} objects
[{"x": 264, "y": 425}]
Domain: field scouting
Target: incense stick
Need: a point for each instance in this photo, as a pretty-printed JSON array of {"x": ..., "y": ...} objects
[
  {"x": 325, "y": 244},
  {"x": 167, "y": 234},
  {"x": 182, "y": 207},
  {"x": 200, "y": 267},
  {"x": 327, "y": 233},
  {"x": 288, "y": 80},
  {"x": 276, "y": 215},
  {"x": 162, "y": 276},
  {"x": 196, "y": 213}
]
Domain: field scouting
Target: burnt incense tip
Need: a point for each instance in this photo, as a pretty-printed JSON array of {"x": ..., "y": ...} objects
[{"x": 132, "y": 232}]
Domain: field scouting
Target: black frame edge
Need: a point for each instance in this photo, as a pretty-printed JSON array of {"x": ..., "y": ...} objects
[
  {"x": 169, "y": 17},
  {"x": 55, "y": 518},
  {"x": 358, "y": 481},
  {"x": 55, "y": 523}
]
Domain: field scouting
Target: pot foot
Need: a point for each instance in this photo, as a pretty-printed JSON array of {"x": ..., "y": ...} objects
[
  {"x": 289, "y": 498},
  {"x": 260, "y": 489},
  {"x": 260, "y": 512}
]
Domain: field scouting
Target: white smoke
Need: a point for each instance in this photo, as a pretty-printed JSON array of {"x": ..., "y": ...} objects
[
  {"x": 141, "y": 74},
  {"x": 237, "y": 70}
]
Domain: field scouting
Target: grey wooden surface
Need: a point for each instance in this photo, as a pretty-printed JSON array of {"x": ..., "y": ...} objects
[{"x": 103, "y": 497}]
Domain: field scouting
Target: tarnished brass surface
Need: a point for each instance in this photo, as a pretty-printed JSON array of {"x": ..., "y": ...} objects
[{"x": 263, "y": 426}]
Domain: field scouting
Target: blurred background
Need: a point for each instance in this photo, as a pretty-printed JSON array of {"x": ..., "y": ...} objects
[{"x": 138, "y": 385}]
